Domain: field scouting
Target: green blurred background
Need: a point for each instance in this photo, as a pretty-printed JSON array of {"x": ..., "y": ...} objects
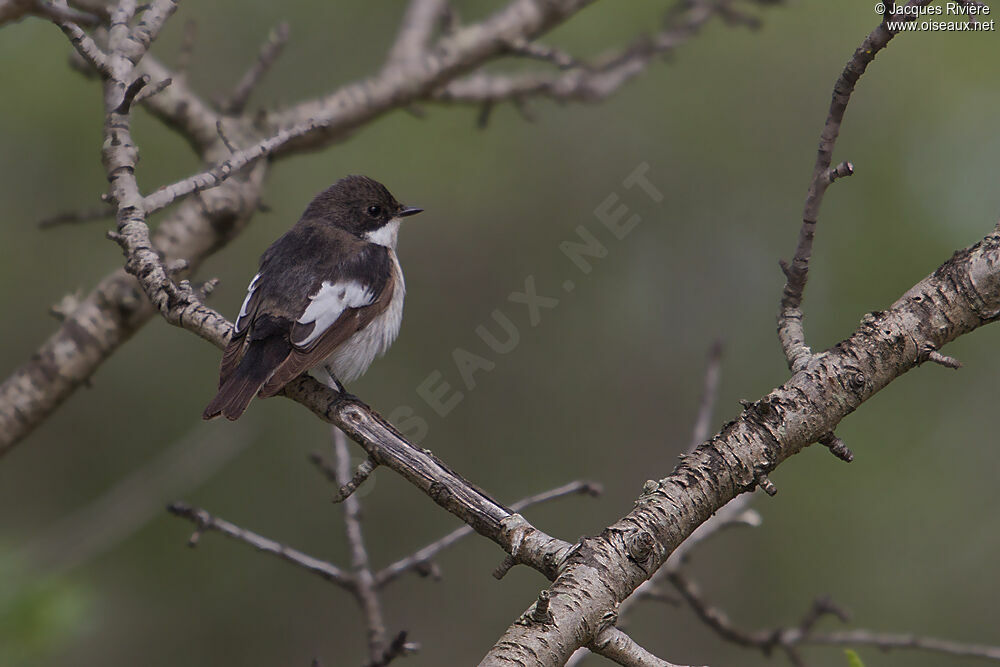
[{"x": 604, "y": 388}]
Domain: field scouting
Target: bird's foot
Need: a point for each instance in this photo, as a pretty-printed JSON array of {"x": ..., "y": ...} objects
[{"x": 344, "y": 394}]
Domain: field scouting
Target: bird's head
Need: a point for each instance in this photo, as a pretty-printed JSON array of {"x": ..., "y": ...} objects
[{"x": 363, "y": 207}]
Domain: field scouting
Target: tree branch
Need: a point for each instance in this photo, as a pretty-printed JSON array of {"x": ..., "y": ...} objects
[
  {"x": 364, "y": 580},
  {"x": 584, "y": 82},
  {"x": 600, "y": 572},
  {"x": 206, "y": 522},
  {"x": 415, "y": 31},
  {"x": 114, "y": 310},
  {"x": 615, "y": 645},
  {"x": 790, "y": 638},
  {"x": 424, "y": 556},
  {"x": 790, "y": 330},
  {"x": 269, "y": 53}
]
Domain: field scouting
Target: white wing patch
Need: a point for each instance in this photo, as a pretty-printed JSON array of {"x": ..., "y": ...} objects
[
  {"x": 326, "y": 305},
  {"x": 246, "y": 301}
]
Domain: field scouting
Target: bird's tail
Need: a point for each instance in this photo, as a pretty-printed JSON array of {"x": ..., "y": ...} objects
[{"x": 236, "y": 392}]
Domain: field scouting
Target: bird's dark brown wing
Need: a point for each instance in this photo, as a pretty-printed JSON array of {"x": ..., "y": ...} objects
[{"x": 302, "y": 358}]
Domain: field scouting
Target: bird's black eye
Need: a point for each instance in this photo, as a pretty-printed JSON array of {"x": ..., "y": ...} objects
[{"x": 374, "y": 210}]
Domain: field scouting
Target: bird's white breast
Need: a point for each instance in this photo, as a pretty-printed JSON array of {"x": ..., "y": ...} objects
[{"x": 351, "y": 359}]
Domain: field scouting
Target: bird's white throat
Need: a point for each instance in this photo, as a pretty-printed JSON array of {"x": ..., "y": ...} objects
[{"x": 386, "y": 234}]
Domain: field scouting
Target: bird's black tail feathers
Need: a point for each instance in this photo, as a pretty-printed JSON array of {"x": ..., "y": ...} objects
[{"x": 261, "y": 358}]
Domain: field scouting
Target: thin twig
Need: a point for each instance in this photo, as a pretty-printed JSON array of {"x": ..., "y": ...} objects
[
  {"x": 790, "y": 330},
  {"x": 536, "y": 51},
  {"x": 364, "y": 580},
  {"x": 361, "y": 473},
  {"x": 423, "y": 556},
  {"x": 617, "y": 646},
  {"x": 709, "y": 394},
  {"x": 944, "y": 360},
  {"x": 73, "y": 217},
  {"x": 188, "y": 37},
  {"x": 397, "y": 648},
  {"x": 61, "y": 13},
  {"x": 206, "y": 522},
  {"x": 586, "y": 82},
  {"x": 269, "y": 53},
  {"x": 155, "y": 89},
  {"x": 888, "y": 641},
  {"x": 218, "y": 174},
  {"x": 791, "y": 637}
]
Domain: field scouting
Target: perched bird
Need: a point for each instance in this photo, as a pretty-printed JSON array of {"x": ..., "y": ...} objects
[{"x": 328, "y": 295}]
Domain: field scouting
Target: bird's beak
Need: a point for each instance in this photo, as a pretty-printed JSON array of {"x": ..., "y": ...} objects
[{"x": 409, "y": 210}]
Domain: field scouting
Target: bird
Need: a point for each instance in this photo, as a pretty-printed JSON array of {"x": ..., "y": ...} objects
[{"x": 328, "y": 295}]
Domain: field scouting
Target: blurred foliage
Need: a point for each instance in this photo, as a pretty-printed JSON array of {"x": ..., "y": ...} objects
[
  {"x": 853, "y": 659},
  {"x": 606, "y": 385},
  {"x": 39, "y": 615}
]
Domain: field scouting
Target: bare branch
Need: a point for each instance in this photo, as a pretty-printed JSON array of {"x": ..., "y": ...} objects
[
  {"x": 790, "y": 331},
  {"x": 944, "y": 360},
  {"x": 218, "y": 174},
  {"x": 837, "y": 447},
  {"x": 398, "y": 648},
  {"x": 155, "y": 89},
  {"x": 57, "y": 12},
  {"x": 186, "y": 52},
  {"x": 364, "y": 471},
  {"x": 536, "y": 51},
  {"x": 29, "y": 395},
  {"x": 399, "y": 86},
  {"x": 269, "y": 53},
  {"x": 148, "y": 29},
  {"x": 709, "y": 394},
  {"x": 62, "y": 13},
  {"x": 888, "y": 641},
  {"x": 424, "y": 556},
  {"x": 615, "y": 645},
  {"x": 587, "y": 82},
  {"x": 789, "y": 638},
  {"x": 206, "y": 522},
  {"x": 361, "y": 473},
  {"x": 364, "y": 580},
  {"x": 73, "y": 217},
  {"x": 770, "y": 430},
  {"x": 415, "y": 31},
  {"x": 86, "y": 47}
]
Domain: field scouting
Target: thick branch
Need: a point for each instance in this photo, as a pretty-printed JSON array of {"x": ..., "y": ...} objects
[
  {"x": 113, "y": 311},
  {"x": 962, "y": 295}
]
